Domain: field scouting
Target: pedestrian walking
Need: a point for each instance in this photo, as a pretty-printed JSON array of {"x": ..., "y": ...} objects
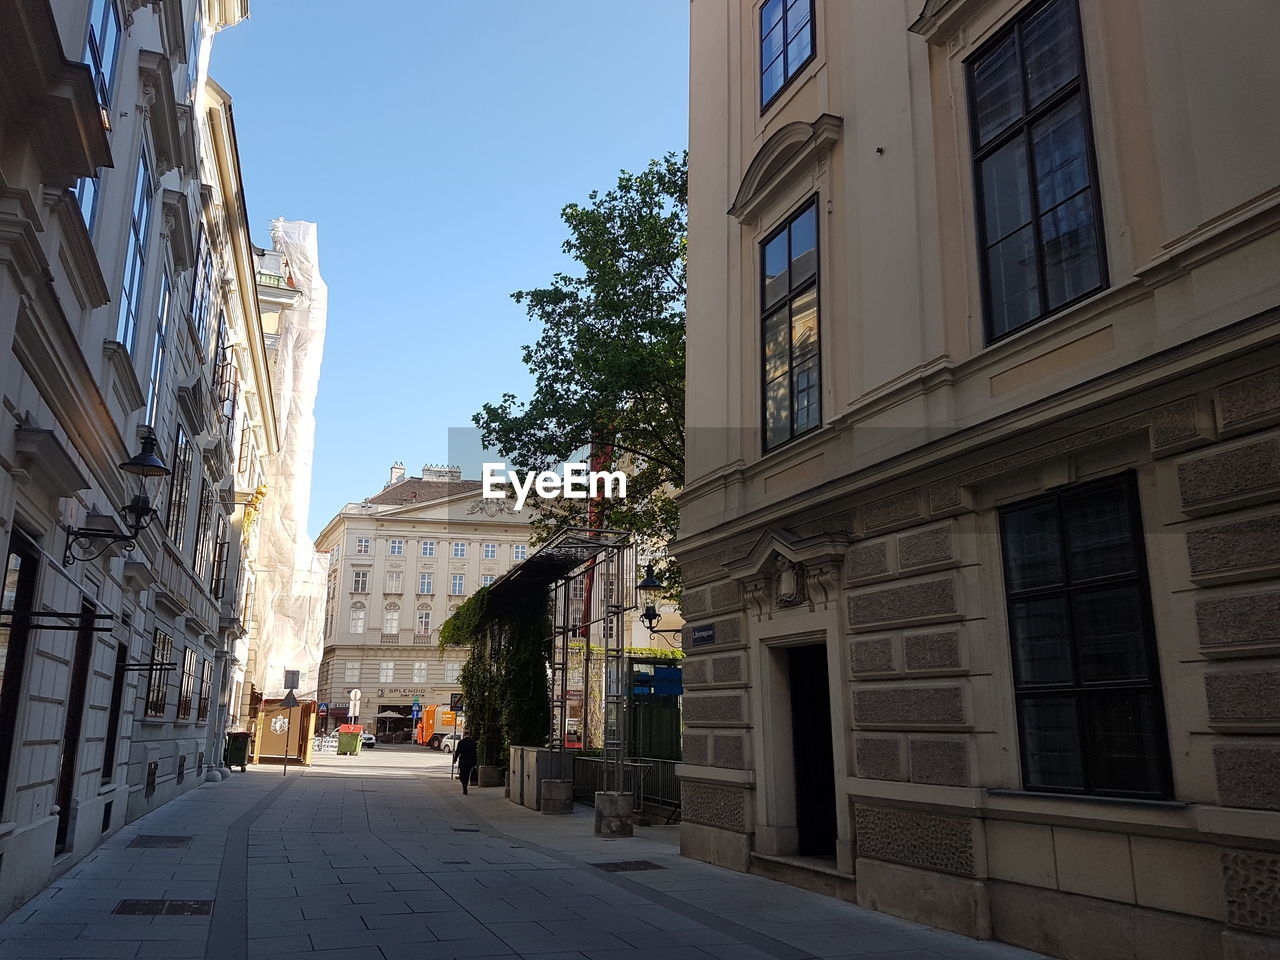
[{"x": 464, "y": 755}]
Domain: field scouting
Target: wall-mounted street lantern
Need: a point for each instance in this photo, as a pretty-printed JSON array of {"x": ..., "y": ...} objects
[
  {"x": 89, "y": 543},
  {"x": 651, "y": 586}
]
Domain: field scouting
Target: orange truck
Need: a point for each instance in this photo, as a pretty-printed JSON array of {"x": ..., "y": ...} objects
[{"x": 437, "y": 721}]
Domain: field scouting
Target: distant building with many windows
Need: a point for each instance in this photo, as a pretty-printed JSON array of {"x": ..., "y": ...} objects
[{"x": 400, "y": 563}]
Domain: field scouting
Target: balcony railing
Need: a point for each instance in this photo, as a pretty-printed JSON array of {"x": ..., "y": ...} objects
[
  {"x": 273, "y": 280},
  {"x": 390, "y": 639}
]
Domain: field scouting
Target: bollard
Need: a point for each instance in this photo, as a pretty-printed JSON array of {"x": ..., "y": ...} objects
[
  {"x": 557, "y": 797},
  {"x": 613, "y": 814}
]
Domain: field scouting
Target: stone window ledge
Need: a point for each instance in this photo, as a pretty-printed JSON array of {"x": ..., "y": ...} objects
[{"x": 1088, "y": 798}]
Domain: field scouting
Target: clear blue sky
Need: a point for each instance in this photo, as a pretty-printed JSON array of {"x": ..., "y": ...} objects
[{"x": 434, "y": 143}]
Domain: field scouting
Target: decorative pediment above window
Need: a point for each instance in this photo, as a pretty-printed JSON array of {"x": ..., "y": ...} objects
[
  {"x": 42, "y": 458},
  {"x": 792, "y": 150},
  {"x": 782, "y": 571},
  {"x": 941, "y": 20},
  {"x": 193, "y": 400},
  {"x": 177, "y": 224},
  {"x": 159, "y": 99}
]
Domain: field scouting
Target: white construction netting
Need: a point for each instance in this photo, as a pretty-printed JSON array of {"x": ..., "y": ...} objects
[{"x": 290, "y": 590}]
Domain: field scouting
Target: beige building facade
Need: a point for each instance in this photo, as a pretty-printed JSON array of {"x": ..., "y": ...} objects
[
  {"x": 980, "y": 533},
  {"x": 400, "y": 563}
]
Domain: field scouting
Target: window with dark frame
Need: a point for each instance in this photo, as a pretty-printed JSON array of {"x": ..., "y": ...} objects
[
  {"x": 786, "y": 44},
  {"x": 18, "y": 590},
  {"x": 202, "y": 289},
  {"x": 789, "y": 328},
  {"x": 222, "y": 544},
  {"x": 202, "y": 553},
  {"x": 179, "y": 488},
  {"x": 1085, "y": 671},
  {"x": 206, "y": 689},
  {"x": 187, "y": 690},
  {"x": 226, "y": 385},
  {"x": 113, "y": 714},
  {"x": 1039, "y": 217},
  {"x": 158, "y": 679}
]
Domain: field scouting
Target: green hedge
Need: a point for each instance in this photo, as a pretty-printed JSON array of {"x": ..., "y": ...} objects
[{"x": 505, "y": 685}]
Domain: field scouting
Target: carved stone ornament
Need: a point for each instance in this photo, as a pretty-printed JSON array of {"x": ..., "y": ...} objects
[
  {"x": 788, "y": 583},
  {"x": 491, "y": 508}
]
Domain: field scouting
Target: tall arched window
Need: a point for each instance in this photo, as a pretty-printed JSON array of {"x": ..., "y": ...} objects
[
  {"x": 357, "y": 617},
  {"x": 391, "y": 618}
]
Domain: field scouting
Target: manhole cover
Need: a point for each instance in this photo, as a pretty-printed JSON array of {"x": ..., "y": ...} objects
[
  {"x": 625, "y": 866},
  {"x": 466, "y": 829},
  {"x": 167, "y": 908},
  {"x": 161, "y": 843},
  {"x": 140, "y": 908}
]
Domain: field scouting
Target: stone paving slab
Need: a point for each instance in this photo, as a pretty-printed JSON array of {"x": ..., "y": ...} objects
[{"x": 381, "y": 858}]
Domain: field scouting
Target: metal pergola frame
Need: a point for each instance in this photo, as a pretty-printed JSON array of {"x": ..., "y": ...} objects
[{"x": 590, "y": 578}]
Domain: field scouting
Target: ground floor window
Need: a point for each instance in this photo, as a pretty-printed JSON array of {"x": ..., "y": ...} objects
[{"x": 1085, "y": 672}]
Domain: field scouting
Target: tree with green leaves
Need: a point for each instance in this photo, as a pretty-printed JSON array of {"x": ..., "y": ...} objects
[{"x": 608, "y": 365}]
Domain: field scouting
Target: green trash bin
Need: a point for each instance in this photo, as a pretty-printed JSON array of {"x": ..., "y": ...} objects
[
  {"x": 349, "y": 744},
  {"x": 237, "y": 751}
]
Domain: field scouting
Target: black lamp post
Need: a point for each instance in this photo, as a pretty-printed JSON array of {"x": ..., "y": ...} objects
[
  {"x": 88, "y": 543},
  {"x": 651, "y": 586}
]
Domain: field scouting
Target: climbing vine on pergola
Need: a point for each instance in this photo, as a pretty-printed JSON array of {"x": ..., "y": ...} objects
[{"x": 505, "y": 686}]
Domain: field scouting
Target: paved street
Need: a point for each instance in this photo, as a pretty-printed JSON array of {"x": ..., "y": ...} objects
[{"x": 379, "y": 857}]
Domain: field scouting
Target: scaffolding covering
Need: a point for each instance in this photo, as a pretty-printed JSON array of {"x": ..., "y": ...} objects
[{"x": 290, "y": 589}]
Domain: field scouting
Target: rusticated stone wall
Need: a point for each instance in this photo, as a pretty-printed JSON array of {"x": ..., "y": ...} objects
[
  {"x": 1253, "y": 890},
  {"x": 898, "y": 663},
  {"x": 916, "y": 839},
  {"x": 714, "y": 805}
]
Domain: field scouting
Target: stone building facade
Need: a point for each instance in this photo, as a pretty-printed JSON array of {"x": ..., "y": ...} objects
[
  {"x": 127, "y": 312},
  {"x": 979, "y": 534},
  {"x": 401, "y": 562}
]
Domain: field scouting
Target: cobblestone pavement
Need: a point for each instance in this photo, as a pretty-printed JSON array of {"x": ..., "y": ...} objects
[{"x": 380, "y": 858}]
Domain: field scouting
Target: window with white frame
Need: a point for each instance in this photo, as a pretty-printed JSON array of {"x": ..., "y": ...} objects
[
  {"x": 521, "y": 551},
  {"x": 424, "y": 622},
  {"x": 352, "y": 671},
  {"x": 457, "y": 584},
  {"x": 101, "y": 46},
  {"x": 386, "y": 671},
  {"x": 425, "y": 583},
  {"x": 451, "y": 671},
  {"x": 459, "y": 548},
  {"x": 135, "y": 256},
  {"x": 357, "y": 617},
  {"x": 395, "y": 582},
  {"x": 391, "y": 618},
  {"x": 158, "y": 346},
  {"x": 362, "y": 546},
  {"x": 420, "y": 672},
  {"x": 491, "y": 551},
  {"x": 578, "y": 588},
  {"x": 396, "y": 548},
  {"x": 428, "y": 548},
  {"x": 487, "y": 579},
  {"x": 359, "y": 581}
]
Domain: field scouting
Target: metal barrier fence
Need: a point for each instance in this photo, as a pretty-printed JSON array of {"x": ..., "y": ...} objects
[{"x": 653, "y": 783}]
